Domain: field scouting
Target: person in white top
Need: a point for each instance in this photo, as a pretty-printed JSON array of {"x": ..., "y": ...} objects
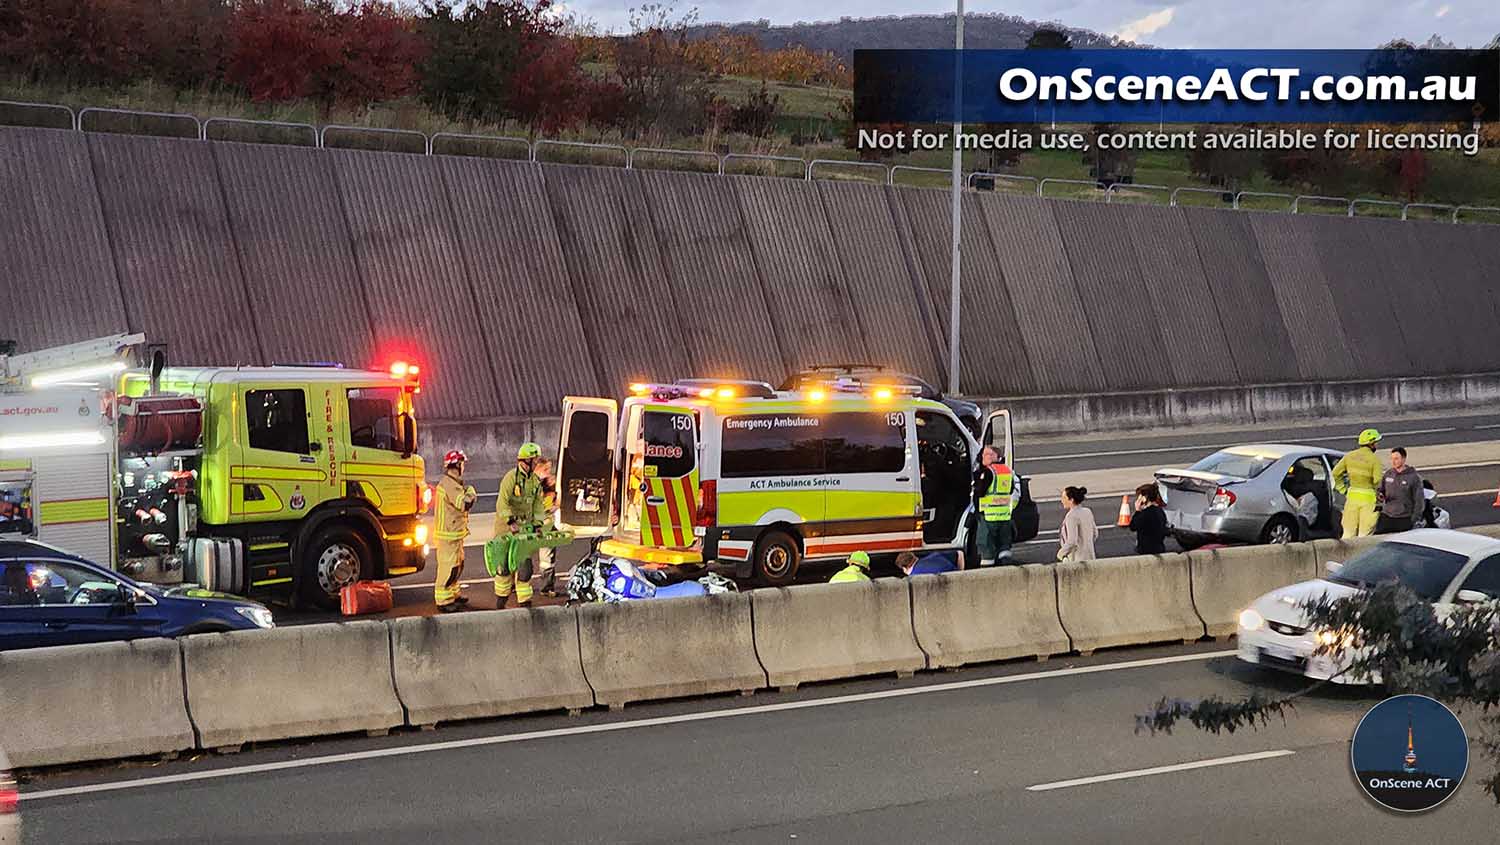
[{"x": 1078, "y": 531}]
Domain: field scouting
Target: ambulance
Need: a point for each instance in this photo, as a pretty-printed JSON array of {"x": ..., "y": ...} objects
[
  {"x": 735, "y": 473},
  {"x": 269, "y": 481}
]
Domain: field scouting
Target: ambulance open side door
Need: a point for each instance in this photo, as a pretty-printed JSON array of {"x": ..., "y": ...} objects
[
  {"x": 997, "y": 434},
  {"x": 586, "y": 464}
]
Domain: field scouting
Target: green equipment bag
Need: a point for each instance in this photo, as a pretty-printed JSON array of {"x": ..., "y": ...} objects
[{"x": 506, "y": 553}]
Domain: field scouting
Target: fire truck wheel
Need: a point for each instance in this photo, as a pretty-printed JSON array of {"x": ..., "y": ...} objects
[
  {"x": 776, "y": 559},
  {"x": 336, "y": 557}
]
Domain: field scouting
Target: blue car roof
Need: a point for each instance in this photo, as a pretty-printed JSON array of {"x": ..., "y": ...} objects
[{"x": 10, "y": 548}]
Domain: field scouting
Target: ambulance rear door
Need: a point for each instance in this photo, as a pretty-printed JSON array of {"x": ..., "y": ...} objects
[
  {"x": 586, "y": 464},
  {"x": 997, "y": 434},
  {"x": 663, "y": 449}
]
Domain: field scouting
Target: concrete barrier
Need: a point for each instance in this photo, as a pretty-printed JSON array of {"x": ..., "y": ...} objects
[
  {"x": 308, "y": 680},
  {"x": 1421, "y": 393},
  {"x": 1226, "y": 581},
  {"x": 1127, "y": 601},
  {"x": 990, "y": 614},
  {"x": 668, "y": 648},
  {"x": 820, "y": 632},
  {"x": 478, "y": 665},
  {"x": 92, "y": 702},
  {"x": 1340, "y": 550},
  {"x": 1208, "y": 406},
  {"x": 1491, "y": 531}
]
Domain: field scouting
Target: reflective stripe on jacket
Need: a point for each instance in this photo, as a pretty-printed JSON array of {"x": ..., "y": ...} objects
[
  {"x": 452, "y": 519},
  {"x": 1357, "y": 475},
  {"x": 995, "y": 503}
]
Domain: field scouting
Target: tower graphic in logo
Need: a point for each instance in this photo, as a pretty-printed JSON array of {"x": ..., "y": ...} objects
[
  {"x": 1394, "y": 777},
  {"x": 1409, "y": 763}
]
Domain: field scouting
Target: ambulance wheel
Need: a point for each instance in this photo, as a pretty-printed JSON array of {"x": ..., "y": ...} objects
[
  {"x": 336, "y": 557},
  {"x": 776, "y": 559}
]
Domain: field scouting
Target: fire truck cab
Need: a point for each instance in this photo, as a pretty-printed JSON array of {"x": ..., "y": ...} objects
[
  {"x": 701, "y": 471},
  {"x": 249, "y": 480}
]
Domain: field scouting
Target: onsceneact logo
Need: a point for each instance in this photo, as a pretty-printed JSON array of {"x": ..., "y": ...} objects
[{"x": 1409, "y": 753}]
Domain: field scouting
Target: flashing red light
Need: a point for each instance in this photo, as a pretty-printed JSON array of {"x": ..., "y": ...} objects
[{"x": 400, "y": 369}]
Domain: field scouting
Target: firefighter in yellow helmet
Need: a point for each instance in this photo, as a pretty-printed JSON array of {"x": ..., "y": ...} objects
[
  {"x": 857, "y": 570},
  {"x": 1357, "y": 475},
  {"x": 520, "y": 507},
  {"x": 450, "y": 527}
]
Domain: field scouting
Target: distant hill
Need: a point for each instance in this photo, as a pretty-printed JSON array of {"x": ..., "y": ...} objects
[{"x": 841, "y": 37}]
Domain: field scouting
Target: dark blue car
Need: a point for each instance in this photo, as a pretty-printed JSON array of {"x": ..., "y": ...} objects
[{"x": 49, "y": 597}]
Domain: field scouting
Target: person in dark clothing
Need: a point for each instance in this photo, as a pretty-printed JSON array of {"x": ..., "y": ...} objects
[
  {"x": 1149, "y": 522},
  {"x": 935, "y": 563}
]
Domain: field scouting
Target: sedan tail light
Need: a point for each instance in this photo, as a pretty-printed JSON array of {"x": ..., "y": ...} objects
[
  {"x": 1223, "y": 499},
  {"x": 708, "y": 504},
  {"x": 10, "y": 797}
]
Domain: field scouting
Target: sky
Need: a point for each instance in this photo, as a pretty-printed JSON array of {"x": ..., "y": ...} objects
[{"x": 1201, "y": 24}]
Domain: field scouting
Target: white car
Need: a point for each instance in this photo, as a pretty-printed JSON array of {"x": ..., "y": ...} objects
[
  {"x": 10, "y": 799},
  {"x": 1443, "y": 567}
]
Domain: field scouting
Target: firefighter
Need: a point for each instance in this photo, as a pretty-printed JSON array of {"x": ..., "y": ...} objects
[
  {"x": 1357, "y": 475},
  {"x": 995, "y": 532},
  {"x": 519, "y": 508},
  {"x": 857, "y": 570},
  {"x": 451, "y": 526},
  {"x": 546, "y": 557}
]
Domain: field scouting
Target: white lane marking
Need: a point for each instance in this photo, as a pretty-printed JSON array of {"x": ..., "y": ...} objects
[
  {"x": 1475, "y": 465},
  {"x": 616, "y": 726},
  {"x": 428, "y": 585},
  {"x": 1486, "y": 427},
  {"x": 1022, "y": 459},
  {"x": 1383, "y": 434},
  {"x": 1162, "y": 770}
]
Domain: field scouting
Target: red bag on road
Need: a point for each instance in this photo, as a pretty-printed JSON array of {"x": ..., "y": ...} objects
[{"x": 363, "y": 597}]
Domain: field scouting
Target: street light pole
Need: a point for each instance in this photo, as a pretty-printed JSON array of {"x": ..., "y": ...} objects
[{"x": 958, "y": 166}]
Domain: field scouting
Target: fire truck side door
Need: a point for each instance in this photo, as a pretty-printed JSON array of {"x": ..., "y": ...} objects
[{"x": 586, "y": 464}]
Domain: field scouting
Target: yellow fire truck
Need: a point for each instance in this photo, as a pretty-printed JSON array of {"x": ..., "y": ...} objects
[{"x": 283, "y": 480}]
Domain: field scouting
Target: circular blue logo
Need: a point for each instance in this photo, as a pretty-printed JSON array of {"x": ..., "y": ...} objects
[{"x": 1409, "y": 753}]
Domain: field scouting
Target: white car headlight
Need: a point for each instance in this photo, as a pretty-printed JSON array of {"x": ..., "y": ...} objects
[
  {"x": 1341, "y": 639},
  {"x": 1250, "y": 620},
  {"x": 259, "y": 615}
]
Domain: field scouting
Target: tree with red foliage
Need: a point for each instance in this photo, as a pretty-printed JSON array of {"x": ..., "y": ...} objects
[
  {"x": 113, "y": 42},
  {"x": 286, "y": 49}
]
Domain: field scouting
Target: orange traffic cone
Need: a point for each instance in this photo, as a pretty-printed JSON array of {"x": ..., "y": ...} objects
[
  {"x": 1124, "y": 519},
  {"x": 1497, "y": 500}
]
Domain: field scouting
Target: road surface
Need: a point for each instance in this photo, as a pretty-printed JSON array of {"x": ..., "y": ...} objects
[{"x": 1018, "y": 752}]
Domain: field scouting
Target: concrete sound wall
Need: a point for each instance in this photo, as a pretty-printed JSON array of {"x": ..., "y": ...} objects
[{"x": 514, "y": 283}]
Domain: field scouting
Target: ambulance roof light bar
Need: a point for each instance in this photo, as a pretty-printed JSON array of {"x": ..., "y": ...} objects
[{"x": 736, "y": 387}]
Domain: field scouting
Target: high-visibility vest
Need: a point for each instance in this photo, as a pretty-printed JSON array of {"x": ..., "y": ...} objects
[
  {"x": 995, "y": 503},
  {"x": 452, "y": 520}
]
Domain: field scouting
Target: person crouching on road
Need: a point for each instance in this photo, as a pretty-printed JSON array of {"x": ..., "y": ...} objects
[
  {"x": 935, "y": 563},
  {"x": 1149, "y": 522},
  {"x": 1357, "y": 475},
  {"x": 1401, "y": 497},
  {"x": 994, "y": 483},
  {"x": 857, "y": 570},
  {"x": 1078, "y": 532},
  {"x": 451, "y": 526},
  {"x": 519, "y": 508}
]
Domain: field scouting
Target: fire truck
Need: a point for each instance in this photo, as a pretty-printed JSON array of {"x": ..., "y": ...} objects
[{"x": 286, "y": 482}]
